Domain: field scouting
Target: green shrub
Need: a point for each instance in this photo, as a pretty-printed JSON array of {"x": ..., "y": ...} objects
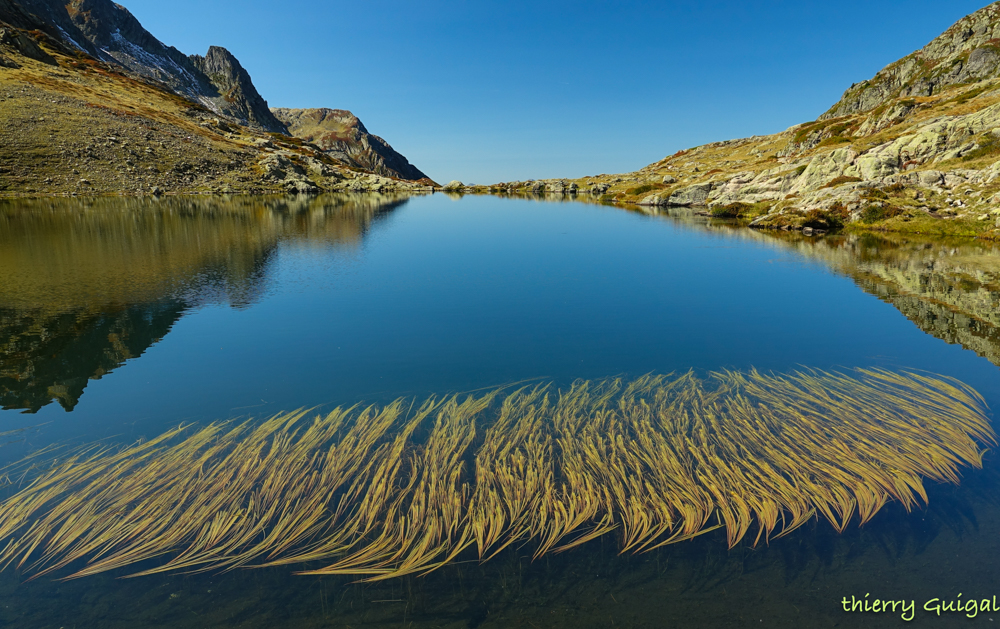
[
  {"x": 733, "y": 210},
  {"x": 874, "y": 194},
  {"x": 740, "y": 210},
  {"x": 875, "y": 213},
  {"x": 835, "y": 127},
  {"x": 838, "y": 129},
  {"x": 837, "y": 139},
  {"x": 833, "y": 183},
  {"x": 834, "y": 218},
  {"x": 644, "y": 188},
  {"x": 988, "y": 144},
  {"x": 803, "y": 133}
]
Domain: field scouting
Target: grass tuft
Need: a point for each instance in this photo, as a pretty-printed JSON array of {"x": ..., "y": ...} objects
[{"x": 387, "y": 491}]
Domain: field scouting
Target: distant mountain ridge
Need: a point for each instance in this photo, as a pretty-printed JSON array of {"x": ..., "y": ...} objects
[{"x": 342, "y": 135}]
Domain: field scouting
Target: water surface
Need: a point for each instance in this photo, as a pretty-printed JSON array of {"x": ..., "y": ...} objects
[{"x": 121, "y": 318}]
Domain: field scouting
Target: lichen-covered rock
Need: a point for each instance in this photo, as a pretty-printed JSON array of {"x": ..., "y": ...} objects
[
  {"x": 654, "y": 200},
  {"x": 696, "y": 194}
]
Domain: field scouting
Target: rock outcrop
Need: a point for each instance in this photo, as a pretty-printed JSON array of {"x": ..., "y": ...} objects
[
  {"x": 15, "y": 41},
  {"x": 110, "y": 33},
  {"x": 341, "y": 135},
  {"x": 236, "y": 89},
  {"x": 127, "y": 132},
  {"x": 917, "y": 148},
  {"x": 965, "y": 53}
]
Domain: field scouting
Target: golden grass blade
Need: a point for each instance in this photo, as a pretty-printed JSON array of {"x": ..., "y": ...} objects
[{"x": 382, "y": 492}]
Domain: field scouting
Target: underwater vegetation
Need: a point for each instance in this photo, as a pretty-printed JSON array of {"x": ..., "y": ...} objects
[{"x": 386, "y": 491}]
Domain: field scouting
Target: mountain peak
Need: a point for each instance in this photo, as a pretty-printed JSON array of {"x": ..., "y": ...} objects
[
  {"x": 236, "y": 88},
  {"x": 968, "y": 51},
  {"x": 110, "y": 33},
  {"x": 340, "y": 134}
]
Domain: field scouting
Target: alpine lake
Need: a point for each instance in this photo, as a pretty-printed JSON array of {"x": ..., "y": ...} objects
[{"x": 122, "y": 319}]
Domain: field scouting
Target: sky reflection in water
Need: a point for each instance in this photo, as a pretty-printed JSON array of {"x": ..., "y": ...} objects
[{"x": 195, "y": 309}]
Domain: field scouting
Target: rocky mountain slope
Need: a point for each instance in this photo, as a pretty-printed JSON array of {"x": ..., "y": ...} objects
[
  {"x": 916, "y": 148},
  {"x": 108, "y": 32},
  {"x": 965, "y": 53},
  {"x": 91, "y": 102},
  {"x": 341, "y": 135}
]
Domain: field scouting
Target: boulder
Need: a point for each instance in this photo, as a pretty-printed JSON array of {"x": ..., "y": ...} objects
[
  {"x": 654, "y": 200},
  {"x": 982, "y": 64},
  {"x": 931, "y": 177},
  {"x": 669, "y": 179},
  {"x": 953, "y": 180},
  {"x": 453, "y": 185},
  {"x": 301, "y": 186},
  {"x": 691, "y": 195}
]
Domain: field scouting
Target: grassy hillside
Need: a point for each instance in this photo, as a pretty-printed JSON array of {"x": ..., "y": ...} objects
[{"x": 70, "y": 124}]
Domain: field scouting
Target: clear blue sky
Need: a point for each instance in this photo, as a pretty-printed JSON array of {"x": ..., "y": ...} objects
[{"x": 485, "y": 91}]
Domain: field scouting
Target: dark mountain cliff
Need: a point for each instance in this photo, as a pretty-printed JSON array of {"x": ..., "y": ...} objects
[
  {"x": 110, "y": 33},
  {"x": 236, "y": 88}
]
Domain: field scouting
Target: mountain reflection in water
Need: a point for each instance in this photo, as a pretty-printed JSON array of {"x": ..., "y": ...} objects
[
  {"x": 948, "y": 287},
  {"x": 87, "y": 284}
]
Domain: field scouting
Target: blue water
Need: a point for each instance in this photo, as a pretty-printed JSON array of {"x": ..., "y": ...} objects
[
  {"x": 334, "y": 305},
  {"x": 443, "y": 296}
]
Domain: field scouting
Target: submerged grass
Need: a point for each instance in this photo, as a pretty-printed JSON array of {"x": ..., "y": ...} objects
[{"x": 382, "y": 492}]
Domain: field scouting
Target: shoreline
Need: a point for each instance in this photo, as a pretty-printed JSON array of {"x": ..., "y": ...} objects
[{"x": 664, "y": 210}]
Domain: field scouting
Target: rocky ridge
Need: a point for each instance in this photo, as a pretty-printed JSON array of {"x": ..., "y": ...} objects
[
  {"x": 110, "y": 33},
  {"x": 914, "y": 149},
  {"x": 92, "y": 103},
  {"x": 967, "y": 52},
  {"x": 341, "y": 135}
]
